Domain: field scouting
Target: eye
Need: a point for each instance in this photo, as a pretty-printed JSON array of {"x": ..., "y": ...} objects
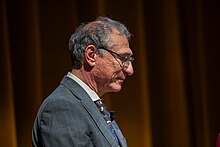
[{"x": 124, "y": 58}]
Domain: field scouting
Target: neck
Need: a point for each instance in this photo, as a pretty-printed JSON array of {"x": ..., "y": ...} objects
[{"x": 87, "y": 78}]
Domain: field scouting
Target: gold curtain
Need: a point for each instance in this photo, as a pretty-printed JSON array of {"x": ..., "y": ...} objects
[{"x": 172, "y": 99}]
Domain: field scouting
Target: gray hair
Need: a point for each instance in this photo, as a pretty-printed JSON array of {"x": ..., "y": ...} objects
[{"x": 95, "y": 33}]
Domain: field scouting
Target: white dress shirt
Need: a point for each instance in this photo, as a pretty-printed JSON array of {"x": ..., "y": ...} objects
[{"x": 88, "y": 90}]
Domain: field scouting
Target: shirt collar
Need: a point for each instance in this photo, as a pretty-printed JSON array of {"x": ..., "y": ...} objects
[{"x": 88, "y": 90}]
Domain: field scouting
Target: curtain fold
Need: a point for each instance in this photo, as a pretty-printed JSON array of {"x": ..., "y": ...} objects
[
  {"x": 7, "y": 114},
  {"x": 144, "y": 122}
]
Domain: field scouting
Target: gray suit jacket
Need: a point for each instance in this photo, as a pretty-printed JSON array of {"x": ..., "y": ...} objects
[{"x": 69, "y": 118}]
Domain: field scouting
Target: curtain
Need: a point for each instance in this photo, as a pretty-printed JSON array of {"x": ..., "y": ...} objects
[{"x": 172, "y": 100}]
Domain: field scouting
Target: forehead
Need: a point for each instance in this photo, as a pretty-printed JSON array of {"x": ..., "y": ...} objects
[{"x": 119, "y": 42}]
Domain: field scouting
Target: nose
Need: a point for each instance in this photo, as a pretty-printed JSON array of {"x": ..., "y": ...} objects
[{"x": 129, "y": 69}]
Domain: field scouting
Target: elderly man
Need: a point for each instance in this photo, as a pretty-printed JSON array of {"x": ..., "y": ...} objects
[{"x": 74, "y": 114}]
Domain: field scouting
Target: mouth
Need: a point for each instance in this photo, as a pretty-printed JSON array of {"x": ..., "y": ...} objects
[{"x": 120, "y": 80}]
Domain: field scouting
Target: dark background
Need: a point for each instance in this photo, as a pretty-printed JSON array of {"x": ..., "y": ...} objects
[{"x": 173, "y": 98}]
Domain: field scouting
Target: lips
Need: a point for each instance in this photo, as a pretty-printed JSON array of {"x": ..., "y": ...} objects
[{"x": 121, "y": 80}]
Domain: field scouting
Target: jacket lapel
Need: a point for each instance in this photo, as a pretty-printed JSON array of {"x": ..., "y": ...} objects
[
  {"x": 90, "y": 107},
  {"x": 119, "y": 134},
  {"x": 100, "y": 122}
]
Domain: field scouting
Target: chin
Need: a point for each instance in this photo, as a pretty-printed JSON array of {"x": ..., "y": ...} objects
[{"x": 116, "y": 88}]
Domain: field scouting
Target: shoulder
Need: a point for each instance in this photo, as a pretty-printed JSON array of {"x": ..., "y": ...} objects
[
  {"x": 60, "y": 97},
  {"x": 60, "y": 100},
  {"x": 60, "y": 104}
]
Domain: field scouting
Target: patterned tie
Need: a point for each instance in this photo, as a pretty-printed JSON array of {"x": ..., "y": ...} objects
[{"x": 102, "y": 108}]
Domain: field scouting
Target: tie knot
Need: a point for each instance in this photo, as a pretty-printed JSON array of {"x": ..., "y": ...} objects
[{"x": 99, "y": 102}]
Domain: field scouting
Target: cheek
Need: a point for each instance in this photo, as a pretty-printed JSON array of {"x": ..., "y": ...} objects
[
  {"x": 108, "y": 70},
  {"x": 103, "y": 72}
]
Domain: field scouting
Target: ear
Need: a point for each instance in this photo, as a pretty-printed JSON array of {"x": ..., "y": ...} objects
[{"x": 90, "y": 55}]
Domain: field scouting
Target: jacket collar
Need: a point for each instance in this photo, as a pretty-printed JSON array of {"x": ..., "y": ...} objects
[{"x": 90, "y": 106}]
